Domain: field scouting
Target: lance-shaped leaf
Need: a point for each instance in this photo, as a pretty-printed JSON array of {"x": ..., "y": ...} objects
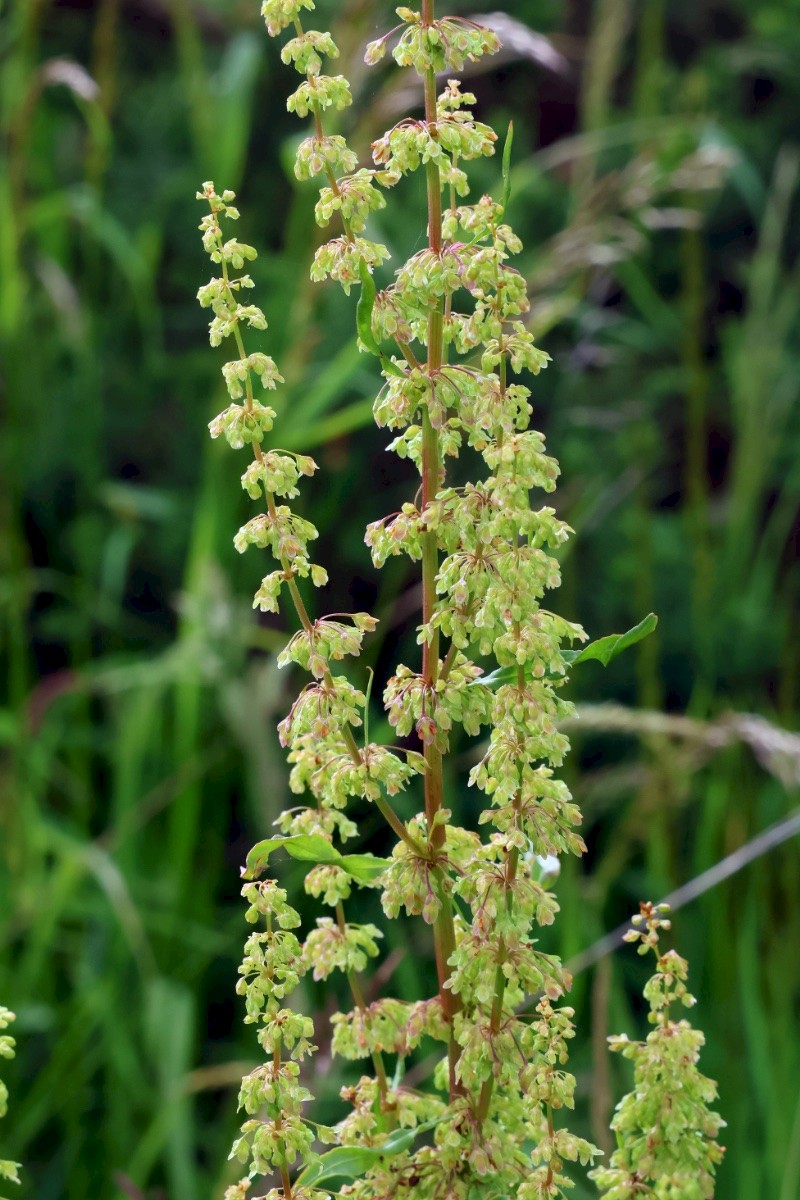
[
  {"x": 312, "y": 847},
  {"x": 366, "y": 303},
  {"x": 507, "y": 167},
  {"x": 603, "y": 651},
  {"x": 350, "y": 1162}
]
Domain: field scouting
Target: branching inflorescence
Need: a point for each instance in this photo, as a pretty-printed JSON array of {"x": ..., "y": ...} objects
[{"x": 449, "y": 336}]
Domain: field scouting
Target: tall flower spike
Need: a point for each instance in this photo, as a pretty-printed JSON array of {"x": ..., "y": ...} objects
[
  {"x": 275, "y": 960},
  {"x": 448, "y": 331},
  {"x": 276, "y": 1134}
]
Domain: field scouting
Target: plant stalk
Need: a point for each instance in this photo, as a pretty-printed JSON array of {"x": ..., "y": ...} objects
[
  {"x": 496, "y": 1016},
  {"x": 444, "y": 929}
]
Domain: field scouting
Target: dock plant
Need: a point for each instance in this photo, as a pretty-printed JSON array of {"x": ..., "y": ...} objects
[{"x": 448, "y": 334}]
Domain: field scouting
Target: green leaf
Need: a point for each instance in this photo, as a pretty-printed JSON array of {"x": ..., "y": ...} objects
[
  {"x": 363, "y": 867},
  {"x": 603, "y": 650},
  {"x": 366, "y": 303},
  {"x": 507, "y": 166},
  {"x": 312, "y": 847},
  {"x": 350, "y": 1162},
  {"x": 391, "y": 368}
]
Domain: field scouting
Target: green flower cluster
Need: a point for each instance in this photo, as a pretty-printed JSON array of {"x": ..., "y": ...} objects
[
  {"x": 354, "y": 197},
  {"x": 363, "y": 1126},
  {"x": 411, "y": 144},
  {"x": 444, "y": 45},
  {"x": 8, "y": 1170},
  {"x": 666, "y": 1131},
  {"x": 411, "y": 882},
  {"x": 433, "y": 708},
  {"x": 319, "y": 92},
  {"x": 275, "y": 1134},
  {"x": 329, "y": 948},
  {"x": 316, "y": 646},
  {"x": 389, "y": 1026}
]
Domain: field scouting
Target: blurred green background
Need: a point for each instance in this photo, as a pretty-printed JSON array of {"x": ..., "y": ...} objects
[{"x": 655, "y": 184}]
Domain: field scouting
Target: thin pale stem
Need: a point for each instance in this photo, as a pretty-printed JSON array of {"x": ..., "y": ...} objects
[
  {"x": 377, "y": 1057},
  {"x": 500, "y": 981},
  {"x": 276, "y": 1062}
]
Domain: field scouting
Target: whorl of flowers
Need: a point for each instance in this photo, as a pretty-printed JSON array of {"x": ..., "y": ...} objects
[{"x": 449, "y": 334}]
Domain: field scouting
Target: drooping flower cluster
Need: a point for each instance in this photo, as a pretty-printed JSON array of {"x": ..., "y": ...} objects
[
  {"x": 448, "y": 329},
  {"x": 274, "y": 474},
  {"x": 318, "y": 731},
  {"x": 276, "y": 1134},
  {"x": 666, "y": 1131}
]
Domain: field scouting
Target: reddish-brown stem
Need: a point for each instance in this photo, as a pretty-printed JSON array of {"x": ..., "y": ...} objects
[{"x": 444, "y": 928}]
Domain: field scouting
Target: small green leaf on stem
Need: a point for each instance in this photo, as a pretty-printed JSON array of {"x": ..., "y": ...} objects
[
  {"x": 366, "y": 303},
  {"x": 507, "y": 166},
  {"x": 312, "y": 847},
  {"x": 603, "y": 650},
  {"x": 350, "y": 1162}
]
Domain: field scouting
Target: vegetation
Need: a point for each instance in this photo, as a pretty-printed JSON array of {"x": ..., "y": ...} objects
[
  {"x": 496, "y": 1093},
  {"x": 666, "y": 1135},
  {"x": 8, "y": 1170},
  {"x": 654, "y": 188}
]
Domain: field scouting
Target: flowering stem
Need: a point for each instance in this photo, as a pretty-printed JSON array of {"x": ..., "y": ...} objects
[
  {"x": 358, "y": 996},
  {"x": 512, "y": 862},
  {"x": 382, "y": 804},
  {"x": 500, "y": 981},
  {"x": 481, "y": 584},
  {"x": 276, "y": 1065},
  {"x": 443, "y": 929}
]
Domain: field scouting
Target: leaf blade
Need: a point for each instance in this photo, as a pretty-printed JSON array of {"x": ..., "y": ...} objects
[
  {"x": 507, "y": 166},
  {"x": 313, "y": 848},
  {"x": 604, "y": 650},
  {"x": 350, "y": 1162},
  {"x": 607, "y": 648}
]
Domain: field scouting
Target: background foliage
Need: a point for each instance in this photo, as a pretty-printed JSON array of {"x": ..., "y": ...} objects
[{"x": 655, "y": 185}]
